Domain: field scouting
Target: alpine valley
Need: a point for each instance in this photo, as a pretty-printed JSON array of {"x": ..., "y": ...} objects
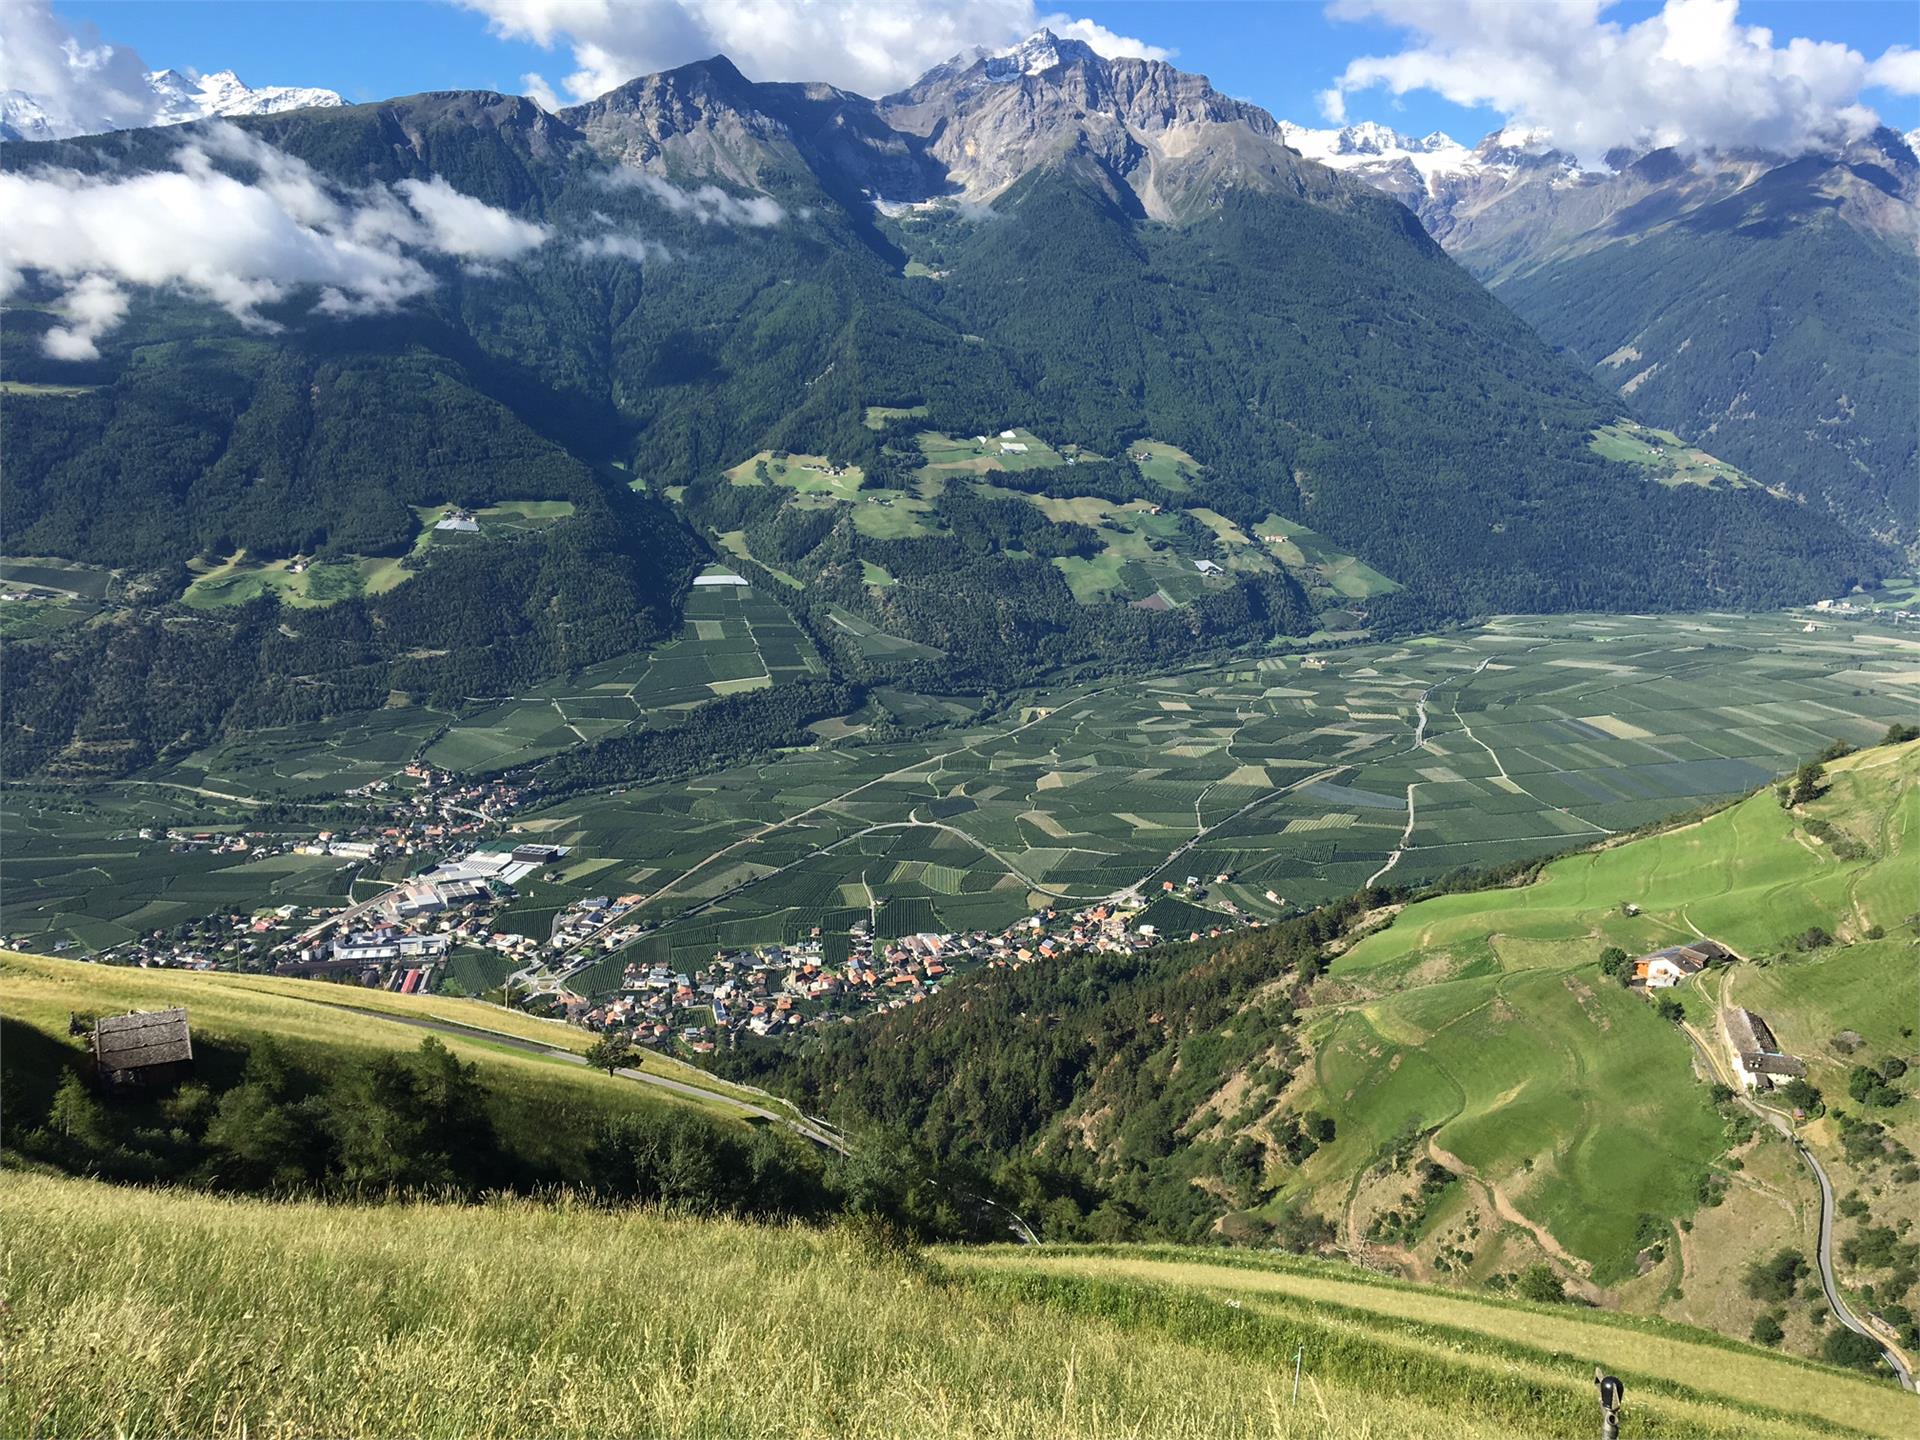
[{"x": 1264, "y": 710}]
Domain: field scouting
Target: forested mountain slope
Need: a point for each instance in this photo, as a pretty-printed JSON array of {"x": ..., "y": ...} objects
[
  {"x": 1760, "y": 305},
  {"x": 707, "y": 274}
]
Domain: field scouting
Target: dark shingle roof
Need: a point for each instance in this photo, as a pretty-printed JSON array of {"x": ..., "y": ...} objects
[{"x": 133, "y": 1042}]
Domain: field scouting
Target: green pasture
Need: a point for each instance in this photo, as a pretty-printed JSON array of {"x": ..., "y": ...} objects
[
  {"x": 1164, "y": 464},
  {"x": 732, "y": 638},
  {"x": 877, "y": 416},
  {"x": 1485, "y": 1017},
  {"x": 1664, "y": 455}
]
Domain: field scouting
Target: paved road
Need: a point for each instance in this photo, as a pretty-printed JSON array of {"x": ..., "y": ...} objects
[
  {"x": 805, "y": 1126},
  {"x": 1823, "y": 1251}
]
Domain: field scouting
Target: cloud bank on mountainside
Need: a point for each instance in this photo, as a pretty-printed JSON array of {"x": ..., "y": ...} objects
[
  {"x": 239, "y": 243},
  {"x": 1690, "y": 76}
]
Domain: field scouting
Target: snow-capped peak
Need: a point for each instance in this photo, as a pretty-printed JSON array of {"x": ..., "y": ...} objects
[
  {"x": 225, "y": 93},
  {"x": 1369, "y": 144},
  {"x": 178, "y": 97},
  {"x": 1035, "y": 55}
]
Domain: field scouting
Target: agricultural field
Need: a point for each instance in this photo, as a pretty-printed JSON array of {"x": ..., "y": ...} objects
[
  {"x": 45, "y": 595},
  {"x": 819, "y": 484},
  {"x": 308, "y": 761},
  {"x": 1164, "y": 464},
  {"x": 732, "y": 638},
  {"x": 304, "y": 581},
  {"x": 1665, "y": 456},
  {"x": 79, "y": 876},
  {"x": 301, "y": 583},
  {"x": 1149, "y": 554},
  {"x": 877, "y": 416},
  {"x": 61, "y": 577},
  {"x": 1319, "y": 564},
  {"x": 1301, "y": 775},
  {"x": 228, "y": 1313},
  {"x": 1478, "y": 1030}
]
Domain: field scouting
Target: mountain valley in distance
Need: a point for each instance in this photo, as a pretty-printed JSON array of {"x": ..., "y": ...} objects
[{"x": 1045, "y": 657}]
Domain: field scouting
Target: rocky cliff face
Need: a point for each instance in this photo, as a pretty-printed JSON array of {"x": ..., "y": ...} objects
[{"x": 1167, "y": 140}]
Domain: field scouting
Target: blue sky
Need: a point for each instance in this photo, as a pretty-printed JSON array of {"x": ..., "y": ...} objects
[{"x": 1280, "y": 55}]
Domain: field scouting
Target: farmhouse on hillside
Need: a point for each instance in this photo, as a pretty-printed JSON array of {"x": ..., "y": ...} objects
[
  {"x": 1757, "y": 1057},
  {"x": 146, "y": 1050},
  {"x": 1676, "y": 963}
]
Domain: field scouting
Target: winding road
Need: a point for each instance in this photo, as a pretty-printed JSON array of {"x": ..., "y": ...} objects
[{"x": 1823, "y": 1250}]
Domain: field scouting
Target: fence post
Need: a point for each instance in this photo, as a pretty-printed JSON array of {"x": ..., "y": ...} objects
[
  {"x": 1297, "y": 1356},
  {"x": 1611, "y": 1392}
]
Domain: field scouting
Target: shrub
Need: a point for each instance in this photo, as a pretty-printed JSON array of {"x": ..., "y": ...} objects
[
  {"x": 1538, "y": 1282},
  {"x": 1854, "y": 1351}
]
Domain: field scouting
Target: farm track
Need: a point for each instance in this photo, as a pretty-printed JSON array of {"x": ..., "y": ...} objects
[{"x": 1710, "y": 1057}]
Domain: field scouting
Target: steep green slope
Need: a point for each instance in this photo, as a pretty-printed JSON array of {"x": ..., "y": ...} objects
[
  {"x": 1484, "y": 1024},
  {"x": 191, "y": 1314}
]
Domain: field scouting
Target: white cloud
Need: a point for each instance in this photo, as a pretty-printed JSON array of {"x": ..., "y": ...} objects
[
  {"x": 461, "y": 225},
  {"x": 709, "y": 204},
  {"x": 239, "y": 243},
  {"x": 540, "y": 92},
  {"x": 871, "y": 46},
  {"x": 1691, "y": 75},
  {"x": 81, "y": 82},
  {"x": 624, "y": 245}
]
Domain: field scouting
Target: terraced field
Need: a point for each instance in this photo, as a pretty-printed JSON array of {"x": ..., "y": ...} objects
[{"x": 1293, "y": 773}]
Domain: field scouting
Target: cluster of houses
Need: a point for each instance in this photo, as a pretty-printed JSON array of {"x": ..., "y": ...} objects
[
  {"x": 1758, "y": 1061},
  {"x": 1848, "y": 610},
  {"x": 1666, "y": 968},
  {"x": 771, "y": 991}
]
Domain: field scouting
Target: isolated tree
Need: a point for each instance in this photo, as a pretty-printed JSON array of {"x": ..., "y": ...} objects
[
  {"x": 1806, "y": 784},
  {"x": 609, "y": 1052},
  {"x": 1539, "y": 1283},
  {"x": 1614, "y": 961}
]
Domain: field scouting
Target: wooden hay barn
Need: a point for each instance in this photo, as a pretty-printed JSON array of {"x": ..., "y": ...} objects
[{"x": 147, "y": 1050}]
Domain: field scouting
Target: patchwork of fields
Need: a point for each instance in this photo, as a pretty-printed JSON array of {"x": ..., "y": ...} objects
[
  {"x": 77, "y": 871},
  {"x": 1301, "y": 775},
  {"x": 732, "y": 639}
]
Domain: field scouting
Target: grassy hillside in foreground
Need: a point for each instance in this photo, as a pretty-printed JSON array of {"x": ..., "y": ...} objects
[
  {"x": 1483, "y": 1021},
  {"x": 191, "y": 1315},
  {"x": 295, "y": 1087}
]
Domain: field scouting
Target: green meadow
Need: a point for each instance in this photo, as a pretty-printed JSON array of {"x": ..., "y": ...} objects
[
  {"x": 192, "y": 1314},
  {"x": 1483, "y": 1018},
  {"x": 1665, "y": 456}
]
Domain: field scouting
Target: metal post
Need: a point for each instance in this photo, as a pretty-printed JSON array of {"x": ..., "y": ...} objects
[
  {"x": 1611, "y": 1392},
  {"x": 1297, "y": 1356}
]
